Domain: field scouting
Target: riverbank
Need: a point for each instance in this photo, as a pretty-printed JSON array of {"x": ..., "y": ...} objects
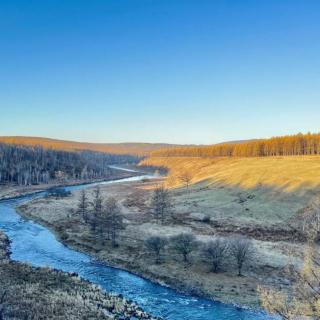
[
  {"x": 265, "y": 269},
  {"x": 10, "y": 191},
  {"x": 30, "y": 292}
]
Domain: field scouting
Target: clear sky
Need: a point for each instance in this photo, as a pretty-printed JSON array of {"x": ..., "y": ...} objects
[{"x": 180, "y": 71}]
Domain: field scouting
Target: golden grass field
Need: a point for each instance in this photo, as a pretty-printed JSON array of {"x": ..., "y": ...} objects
[{"x": 290, "y": 173}]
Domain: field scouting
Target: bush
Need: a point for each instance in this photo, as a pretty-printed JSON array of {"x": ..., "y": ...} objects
[
  {"x": 206, "y": 219},
  {"x": 58, "y": 193}
]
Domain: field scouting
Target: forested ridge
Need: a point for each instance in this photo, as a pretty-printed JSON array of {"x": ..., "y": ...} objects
[
  {"x": 137, "y": 149},
  {"x": 26, "y": 165},
  {"x": 299, "y": 144}
]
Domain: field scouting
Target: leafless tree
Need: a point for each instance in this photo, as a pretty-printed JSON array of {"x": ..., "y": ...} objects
[
  {"x": 186, "y": 178},
  {"x": 241, "y": 250},
  {"x": 214, "y": 252},
  {"x": 97, "y": 207},
  {"x": 184, "y": 244},
  {"x": 161, "y": 203},
  {"x": 114, "y": 219},
  {"x": 83, "y": 205},
  {"x": 303, "y": 301},
  {"x": 156, "y": 244},
  {"x": 28, "y": 165}
]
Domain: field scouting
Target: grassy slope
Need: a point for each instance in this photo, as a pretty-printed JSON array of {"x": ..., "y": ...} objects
[
  {"x": 117, "y": 148},
  {"x": 285, "y": 173},
  {"x": 245, "y": 191}
]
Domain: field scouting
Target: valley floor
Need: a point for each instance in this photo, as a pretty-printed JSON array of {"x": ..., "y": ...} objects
[{"x": 205, "y": 210}]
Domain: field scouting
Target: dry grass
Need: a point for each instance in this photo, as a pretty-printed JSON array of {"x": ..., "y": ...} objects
[
  {"x": 42, "y": 293},
  {"x": 227, "y": 216},
  {"x": 288, "y": 174},
  {"x": 255, "y": 197}
]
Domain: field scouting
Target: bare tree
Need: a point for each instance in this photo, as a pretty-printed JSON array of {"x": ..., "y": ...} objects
[
  {"x": 303, "y": 302},
  {"x": 161, "y": 203},
  {"x": 214, "y": 252},
  {"x": 156, "y": 244},
  {"x": 186, "y": 178},
  {"x": 184, "y": 244},
  {"x": 114, "y": 219},
  {"x": 241, "y": 249},
  {"x": 83, "y": 206},
  {"x": 28, "y": 165},
  {"x": 96, "y": 208}
]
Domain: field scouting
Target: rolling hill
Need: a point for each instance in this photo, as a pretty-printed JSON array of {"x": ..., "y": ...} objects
[
  {"x": 140, "y": 149},
  {"x": 290, "y": 173}
]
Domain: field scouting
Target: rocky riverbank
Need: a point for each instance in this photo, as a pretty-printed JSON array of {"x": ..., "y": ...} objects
[{"x": 29, "y": 293}]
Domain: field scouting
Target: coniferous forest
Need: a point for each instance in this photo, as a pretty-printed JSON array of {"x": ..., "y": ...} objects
[
  {"x": 24, "y": 165},
  {"x": 299, "y": 144}
]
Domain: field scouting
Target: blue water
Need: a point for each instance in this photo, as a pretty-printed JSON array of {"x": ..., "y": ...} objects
[{"x": 36, "y": 245}]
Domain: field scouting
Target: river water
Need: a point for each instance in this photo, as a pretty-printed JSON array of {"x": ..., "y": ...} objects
[{"x": 34, "y": 244}]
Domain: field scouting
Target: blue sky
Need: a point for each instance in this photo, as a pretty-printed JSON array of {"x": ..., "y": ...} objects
[{"x": 177, "y": 71}]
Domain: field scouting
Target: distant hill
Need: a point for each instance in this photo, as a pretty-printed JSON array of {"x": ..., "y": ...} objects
[{"x": 140, "y": 149}]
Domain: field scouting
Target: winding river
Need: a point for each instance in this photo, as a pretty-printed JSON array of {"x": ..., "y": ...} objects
[{"x": 34, "y": 244}]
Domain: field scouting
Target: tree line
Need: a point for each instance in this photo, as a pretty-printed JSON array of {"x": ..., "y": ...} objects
[
  {"x": 26, "y": 165},
  {"x": 299, "y": 144}
]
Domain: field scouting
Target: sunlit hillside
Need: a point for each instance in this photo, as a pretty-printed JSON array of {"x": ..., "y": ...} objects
[
  {"x": 286, "y": 173},
  {"x": 140, "y": 149},
  {"x": 298, "y": 144}
]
